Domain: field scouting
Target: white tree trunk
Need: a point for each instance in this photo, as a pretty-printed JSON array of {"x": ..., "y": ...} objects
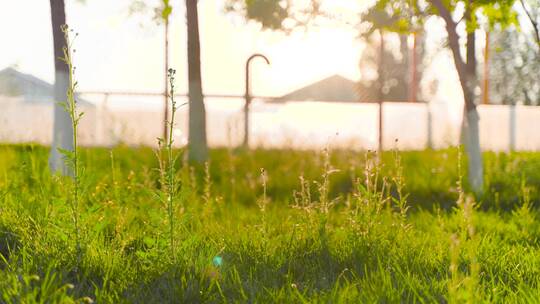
[
  {"x": 62, "y": 130},
  {"x": 471, "y": 137}
]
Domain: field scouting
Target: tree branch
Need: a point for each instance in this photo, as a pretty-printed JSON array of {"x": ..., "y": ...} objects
[
  {"x": 453, "y": 41},
  {"x": 453, "y": 37},
  {"x": 533, "y": 22}
]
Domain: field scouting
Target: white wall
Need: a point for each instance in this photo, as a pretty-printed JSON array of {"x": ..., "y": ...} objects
[{"x": 312, "y": 125}]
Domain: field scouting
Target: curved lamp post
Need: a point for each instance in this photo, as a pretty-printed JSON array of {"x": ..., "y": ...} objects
[{"x": 248, "y": 97}]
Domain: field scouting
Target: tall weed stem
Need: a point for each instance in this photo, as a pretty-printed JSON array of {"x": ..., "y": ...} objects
[
  {"x": 72, "y": 157},
  {"x": 171, "y": 160}
]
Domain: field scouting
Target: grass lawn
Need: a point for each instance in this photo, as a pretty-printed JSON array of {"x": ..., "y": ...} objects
[{"x": 270, "y": 226}]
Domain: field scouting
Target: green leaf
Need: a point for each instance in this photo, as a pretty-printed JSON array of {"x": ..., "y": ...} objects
[{"x": 166, "y": 11}]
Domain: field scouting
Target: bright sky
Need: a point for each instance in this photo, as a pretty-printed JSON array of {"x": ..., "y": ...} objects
[
  {"x": 116, "y": 51},
  {"x": 120, "y": 52}
]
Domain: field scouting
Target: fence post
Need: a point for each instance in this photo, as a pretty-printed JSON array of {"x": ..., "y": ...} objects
[
  {"x": 512, "y": 146},
  {"x": 100, "y": 115},
  {"x": 429, "y": 126},
  {"x": 381, "y": 89}
]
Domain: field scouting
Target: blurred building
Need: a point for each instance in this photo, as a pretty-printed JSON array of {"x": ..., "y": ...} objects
[
  {"x": 27, "y": 88},
  {"x": 26, "y": 111},
  {"x": 337, "y": 88}
]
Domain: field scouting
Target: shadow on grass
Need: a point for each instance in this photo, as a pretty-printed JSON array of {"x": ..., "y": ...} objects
[
  {"x": 307, "y": 271},
  {"x": 9, "y": 242}
]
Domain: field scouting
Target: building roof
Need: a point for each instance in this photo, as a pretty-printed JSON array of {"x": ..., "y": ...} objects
[
  {"x": 334, "y": 88},
  {"x": 337, "y": 88},
  {"x": 31, "y": 88}
]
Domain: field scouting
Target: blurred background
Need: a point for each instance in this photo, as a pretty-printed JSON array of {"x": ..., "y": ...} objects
[{"x": 336, "y": 76}]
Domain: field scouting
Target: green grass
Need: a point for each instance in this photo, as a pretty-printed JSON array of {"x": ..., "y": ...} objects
[{"x": 342, "y": 237}]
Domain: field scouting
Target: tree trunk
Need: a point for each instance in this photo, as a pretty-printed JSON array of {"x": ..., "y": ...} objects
[
  {"x": 197, "y": 150},
  {"x": 472, "y": 136},
  {"x": 472, "y": 147},
  {"x": 467, "y": 78},
  {"x": 62, "y": 130}
]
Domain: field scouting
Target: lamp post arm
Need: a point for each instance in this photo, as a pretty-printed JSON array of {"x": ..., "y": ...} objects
[{"x": 248, "y": 95}]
